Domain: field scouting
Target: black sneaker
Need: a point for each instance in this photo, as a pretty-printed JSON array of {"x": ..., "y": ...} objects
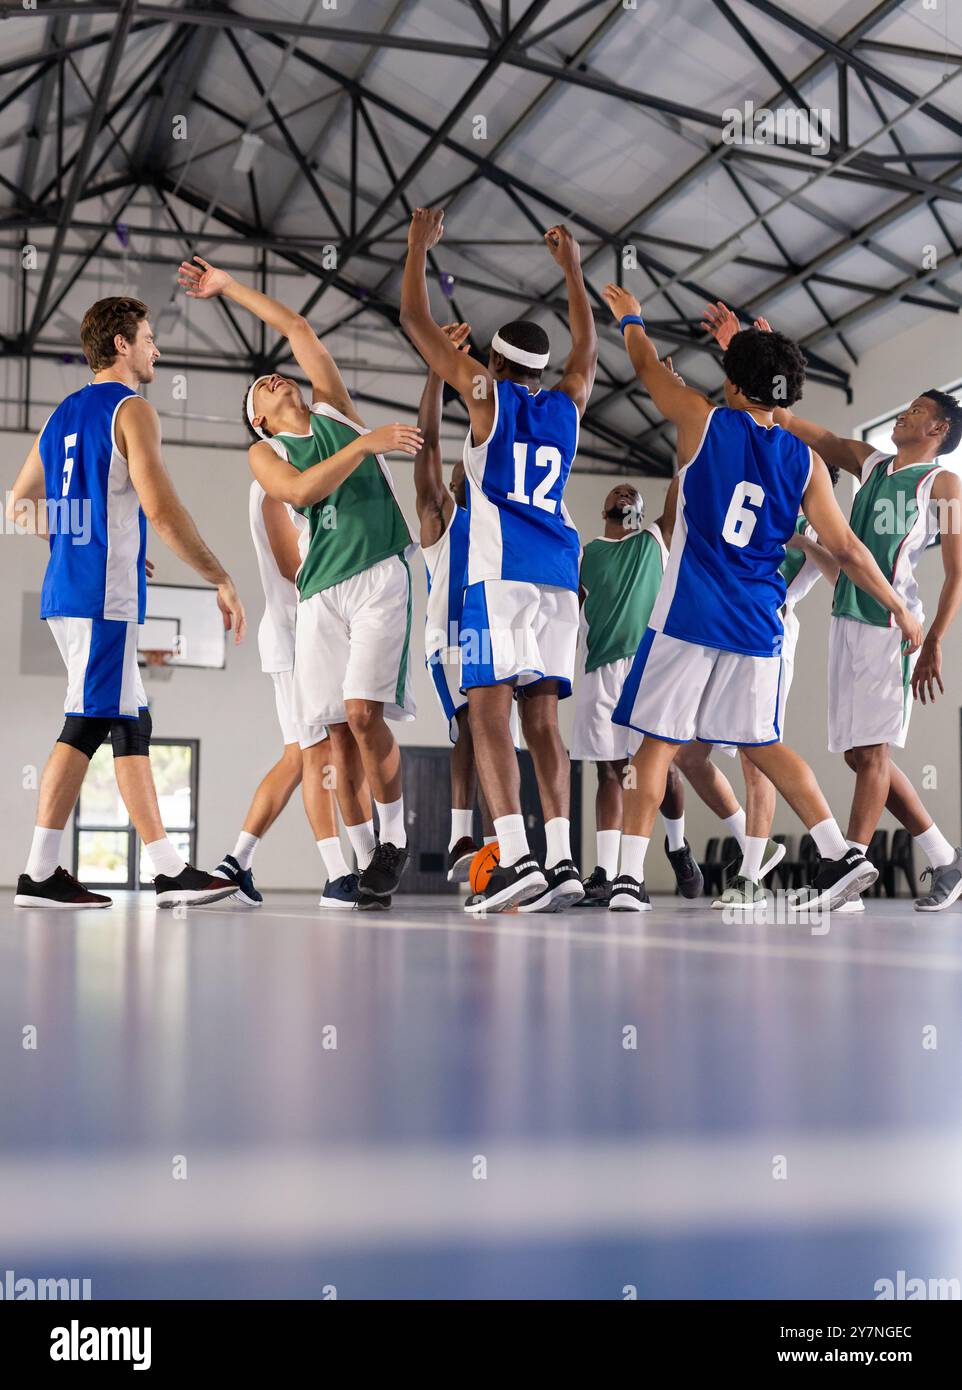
[
  {"x": 687, "y": 873},
  {"x": 628, "y": 895},
  {"x": 242, "y": 879},
  {"x": 59, "y": 890},
  {"x": 564, "y": 890},
  {"x": 193, "y": 886},
  {"x": 381, "y": 877},
  {"x": 837, "y": 881},
  {"x": 366, "y": 902},
  {"x": 509, "y": 885},
  {"x": 459, "y": 859},
  {"x": 597, "y": 888}
]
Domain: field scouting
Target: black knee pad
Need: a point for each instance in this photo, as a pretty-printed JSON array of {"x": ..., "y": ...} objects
[
  {"x": 83, "y": 733},
  {"x": 131, "y": 737}
]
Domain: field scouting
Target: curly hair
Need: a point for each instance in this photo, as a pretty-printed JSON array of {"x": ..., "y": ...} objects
[
  {"x": 768, "y": 368},
  {"x": 951, "y": 412}
]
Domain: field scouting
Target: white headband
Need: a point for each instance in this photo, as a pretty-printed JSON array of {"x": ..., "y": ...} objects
[
  {"x": 535, "y": 360},
  {"x": 250, "y": 406}
]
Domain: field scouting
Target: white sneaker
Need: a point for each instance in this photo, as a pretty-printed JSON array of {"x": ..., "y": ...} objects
[{"x": 853, "y": 905}]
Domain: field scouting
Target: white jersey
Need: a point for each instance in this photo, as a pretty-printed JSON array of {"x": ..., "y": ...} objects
[{"x": 275, "y": 635}]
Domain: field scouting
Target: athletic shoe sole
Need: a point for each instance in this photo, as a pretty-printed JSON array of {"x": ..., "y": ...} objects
[
  {"x": 853, "y": 885},
  {"x": 194, "y": 897},
  {"x": 940, "y": 907},
  {"x": 25, "y": 900},
  {"x": 458, "y": 872},
  {"x": 557, "y": 899},
  {"x": 367, "y": 903},
  {"x": 531, "y": 886},
  {"x": 853, "y": 905},
  {"x": 245, "y": 898},
  {"x": 624, "y": 902},
  {"x": 342, "y": 904}
]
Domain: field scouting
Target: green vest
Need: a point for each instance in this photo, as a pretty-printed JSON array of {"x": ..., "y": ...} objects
[
  {"x": 890, "y": 517},
  {"x": 359, "y": 523},
  {"x": 621, "y": 580}
]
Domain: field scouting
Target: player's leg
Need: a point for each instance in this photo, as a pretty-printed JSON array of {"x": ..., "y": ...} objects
[
  {"x": 710, "y": 784},
  {"x": 645, "y": 788},
  {"x": 496, "y": 620},
  {"x": 272, "y": 795},
  {"x": 538, "y": 706},
  {"x": 688, "y": 876},
  {"x": 608, "y": 815},
  {"x": 464, "y": 781},
  {"x": 759, "y": 851},
  {"x": 44, "y": 883},
  {"x": 320, "y": 805}
]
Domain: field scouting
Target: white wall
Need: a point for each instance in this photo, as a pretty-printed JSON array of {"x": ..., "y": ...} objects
[{"x": 232, "y": 713}]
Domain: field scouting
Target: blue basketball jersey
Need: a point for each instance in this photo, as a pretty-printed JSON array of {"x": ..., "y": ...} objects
[
  {"x": 446, "y": 562},
  {"x": 519, "y": 527},
  {"x": 738, "y": 502},
  {"x": 98, "y": 533}
]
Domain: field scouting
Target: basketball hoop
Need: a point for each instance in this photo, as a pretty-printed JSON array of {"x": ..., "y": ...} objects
[{"x": 156, "y": 663}]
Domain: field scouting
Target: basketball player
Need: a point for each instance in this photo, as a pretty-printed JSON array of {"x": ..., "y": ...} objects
[
  {"x": 352, "y": 638},
  {"x": 443, "y": 520},
  {"x": 100, "y": 450},
  {"x": 709, "y": 665},
  {"x": 276, "y": 529},
  {"x": 805, "y": 561},
  {"x": 520, "y": 619},
  {"x": 621, "y": 572},
  {"x": 906, "y": 501}
]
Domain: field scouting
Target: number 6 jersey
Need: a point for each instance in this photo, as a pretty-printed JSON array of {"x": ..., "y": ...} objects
[
  {"x": 519, "y": 527},
  {"x": 738, "y": 502}
]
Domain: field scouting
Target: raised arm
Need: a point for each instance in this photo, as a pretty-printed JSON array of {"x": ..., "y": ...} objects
[
  {"x": 684, "y": 406},
  {"x": 666, "y": 522},
  {"x": 855, "y": 559},
  {"x": 467, "y": 376},
  {"x": 817, "y": 553},
  {"x": 204, "y": 281},
  {"x": 285, "y": 483},
  {"x": 849, "y": 454},
  {"x": 578, "y": 376},
  {"x": 433, "y": 500},
  {"x": 947, "y": 495},
  {"x": 138, "y": 436},
  {"x": 282, "y": 536}
]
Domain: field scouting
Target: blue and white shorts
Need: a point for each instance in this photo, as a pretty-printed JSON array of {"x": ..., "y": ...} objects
[
  {"x": 103, "y": 678},
  {"x": 445, "y": 671},
  {"x": 520, "y": 633},
  {"x": 681, "y": 691}
]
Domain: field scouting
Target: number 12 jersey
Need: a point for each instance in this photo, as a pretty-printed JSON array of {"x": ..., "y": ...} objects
[
  {"x": 738, "y": 502},
  {"x": 519, "y": 527}
]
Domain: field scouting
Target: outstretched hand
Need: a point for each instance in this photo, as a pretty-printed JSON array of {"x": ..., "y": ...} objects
[
  {"x": 202, "y": 281},
  {"x": 723, "y": 323},
  {"x": 459, "y": 335},
  {"x": 620, "y": 301},
  {"x": 393, "y": 439},
  {"x": 563, "y": 247},
  {"x": 426, "y": 229}
]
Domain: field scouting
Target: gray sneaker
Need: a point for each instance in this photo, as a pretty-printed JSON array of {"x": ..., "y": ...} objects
[
  {"x": 741, "y": 892},
  {"x": 946, "y": 886}
]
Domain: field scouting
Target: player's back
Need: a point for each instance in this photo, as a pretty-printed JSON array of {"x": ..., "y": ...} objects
[
  {"x": 101, "y": 573},
  {"x": 519, "y": 526},
  {"x": 738, "y": 503}
]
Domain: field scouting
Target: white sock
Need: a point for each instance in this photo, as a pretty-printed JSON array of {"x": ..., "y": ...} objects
[
  {"x": 44, "y": 853},
  {"x": 557, "y": 834},
  {"x": 676, "y": 832},
  {"x": 390, "y": 817},
  {"x": 829, "y": 840},
  {"x": 333, "y": 856},
  {"x": 490, "y": 839},
  {"x": 462, "y": 823},
  {"x": 752, "y": 856},
  {"x": 511, "y": 837},
  {"x": 935, "y": 847},
  {"x": 633, "y": 850},
  {"x": 245, "y": 847},
  {"x": 736, "y": 827},
  {"x": 854, "y": 844},
  {"x": 609, "y": 845},
  {"x": 362, "y": 841},
  {"x": 164, "y": 859}
]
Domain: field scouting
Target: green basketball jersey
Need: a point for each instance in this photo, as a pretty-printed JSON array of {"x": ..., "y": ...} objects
[
  {"x": 360, "y": 522},
  {"x": 891, "y": 516},
  {"x": 621, "y": 580}
]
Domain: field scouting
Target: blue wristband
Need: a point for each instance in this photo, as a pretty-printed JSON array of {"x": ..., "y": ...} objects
[{"x": 630, "y": 318}]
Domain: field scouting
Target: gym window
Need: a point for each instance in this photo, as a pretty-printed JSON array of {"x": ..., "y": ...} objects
[{"x": 106, "y": 848}]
